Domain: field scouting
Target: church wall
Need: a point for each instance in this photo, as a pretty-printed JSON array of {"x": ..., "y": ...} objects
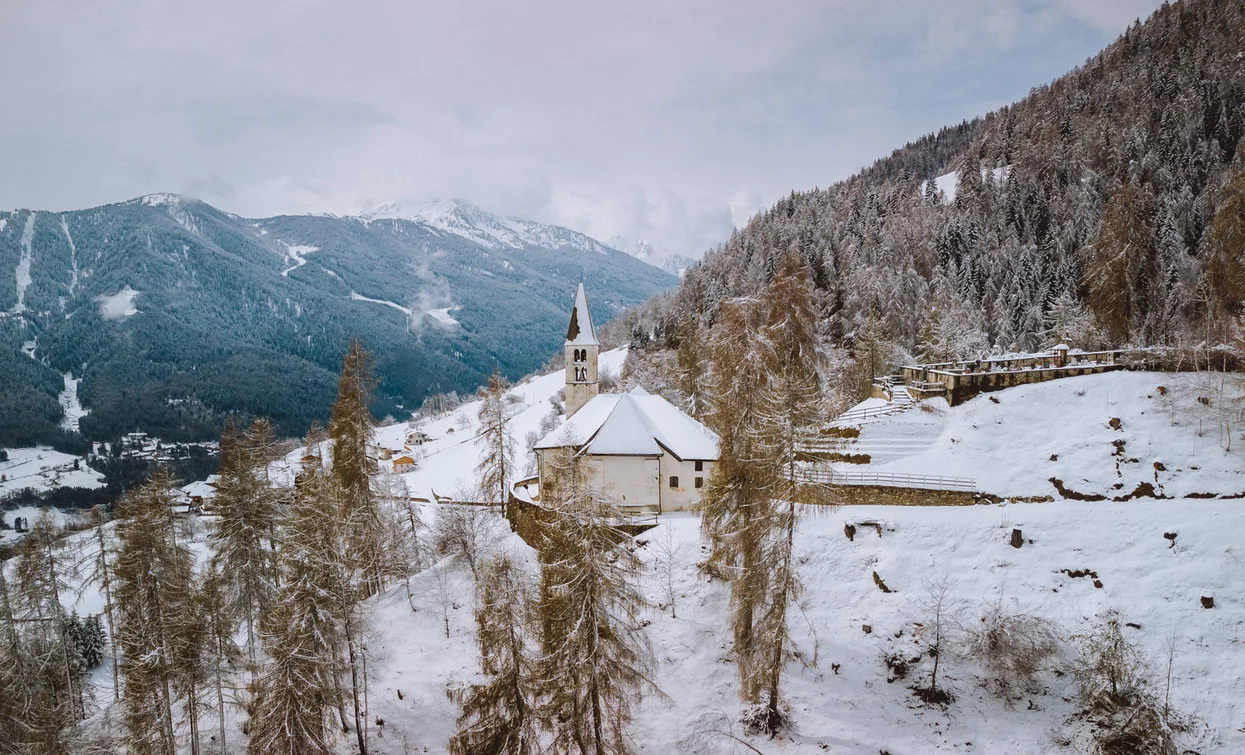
[
  {"x": 630, "y": 480},
  {"x": 686, "y": 494}
]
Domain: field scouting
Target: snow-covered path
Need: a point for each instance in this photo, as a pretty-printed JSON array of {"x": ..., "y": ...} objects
[
  {"x": 69, "y": 403},
  {"x": 23, "y": 264}
]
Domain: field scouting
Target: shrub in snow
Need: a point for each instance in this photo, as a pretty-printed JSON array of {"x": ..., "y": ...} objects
[
  {"x": 1012, "y": 647},
  {"x": 1117, "y": 698}
]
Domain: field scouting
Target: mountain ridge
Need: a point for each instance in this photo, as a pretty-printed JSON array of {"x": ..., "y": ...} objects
[{"x": 174, "y": 312}]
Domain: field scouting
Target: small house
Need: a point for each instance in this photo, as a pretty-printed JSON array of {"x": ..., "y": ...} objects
[{"x": 403, "y": 464}]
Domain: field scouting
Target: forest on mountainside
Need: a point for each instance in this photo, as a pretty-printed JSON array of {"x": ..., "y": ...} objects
[{"x": 1106, "y": 209}]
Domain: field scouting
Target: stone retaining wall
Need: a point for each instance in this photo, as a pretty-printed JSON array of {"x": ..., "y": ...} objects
[{"x": 883, "y": 495}]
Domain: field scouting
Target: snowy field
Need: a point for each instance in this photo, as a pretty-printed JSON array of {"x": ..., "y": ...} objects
[
  {"x": 1013, "y": 442},
  {"x": 42, "y": 468}
]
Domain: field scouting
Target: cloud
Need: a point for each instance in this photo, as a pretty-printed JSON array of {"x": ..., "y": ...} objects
[{"x": 669, "y": 121}]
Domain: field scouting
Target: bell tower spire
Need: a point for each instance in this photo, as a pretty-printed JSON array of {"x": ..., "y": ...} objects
[{"x": 582, "y": 350}]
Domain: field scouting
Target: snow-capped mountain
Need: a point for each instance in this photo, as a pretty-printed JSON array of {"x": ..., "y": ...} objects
[
  {"x": 458, "y": 217},
  {"x": 646, "y": 251}
]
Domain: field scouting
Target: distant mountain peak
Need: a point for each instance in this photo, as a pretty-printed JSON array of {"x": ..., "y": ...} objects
[
  {"x": 458, "y": 217},
  {"x": 646, "y": 251}
]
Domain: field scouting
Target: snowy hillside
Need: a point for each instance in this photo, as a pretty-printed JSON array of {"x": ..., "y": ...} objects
[
  {"x": 1014, "y": 442},
  {"x": 447, "y": 463},
  {"x": 853, "y": 710},
  {"x": 42, "y": 468}
]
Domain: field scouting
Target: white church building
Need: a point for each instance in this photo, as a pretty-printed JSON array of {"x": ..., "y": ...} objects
[{"x": 639, "y": 449}]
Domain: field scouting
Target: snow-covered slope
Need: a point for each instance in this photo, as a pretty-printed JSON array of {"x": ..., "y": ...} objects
[
  {"x": 1014, "y": 441},
  {"x": 447, "y": 463},
  {"x": 852, "y": 709},
  {"x": 42, "y": 468},
  {"x": 458, "y": 217}
]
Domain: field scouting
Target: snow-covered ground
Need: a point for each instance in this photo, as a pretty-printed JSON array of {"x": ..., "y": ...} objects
[
  {"x": 70, "y": 404},
  {"x": 297, "y": 252},
  {"x": 854, "y": 710},
  {"x": 447, "y": 463},
  {"x": 42, "y": 468},
  {"x": 846, "y": 705},
  {"x": 1013, "y": 442}
]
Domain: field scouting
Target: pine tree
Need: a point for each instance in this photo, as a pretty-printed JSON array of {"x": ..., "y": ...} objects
[
  {"x": 597, "y": 660},
  {"x": 497, "y": 457},
  {"x": 499, "y": 716},
  {"x": 153, "y": 573}
]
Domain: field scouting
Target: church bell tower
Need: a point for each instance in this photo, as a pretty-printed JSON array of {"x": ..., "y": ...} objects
[{"x": 582, "y": 349}]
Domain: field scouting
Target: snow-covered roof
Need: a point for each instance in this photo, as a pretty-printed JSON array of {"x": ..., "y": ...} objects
[
  {"x": 580, "y": 331},
  {"x": 634, "y": 424},
  {"x": 202, "y": 488}
]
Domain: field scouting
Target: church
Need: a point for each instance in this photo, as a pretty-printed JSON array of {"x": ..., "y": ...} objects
[{"x": 639, "y": 449}]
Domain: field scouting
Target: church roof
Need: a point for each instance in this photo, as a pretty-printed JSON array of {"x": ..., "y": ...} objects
[
  {"x": 634, "y": 424},
  {"x": 580, "y": 332}
]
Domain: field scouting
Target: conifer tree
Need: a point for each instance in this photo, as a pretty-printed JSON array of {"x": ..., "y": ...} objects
[
  {"x": 219, "y": 623},
  {"x": 351, "y": 430},
  {"x": 597, "y": 660},
  {"x": 1224, "y": 277},
  {"x": 497, "y": 456},
  {"x": 153, "y": 577},
  {"x": 40, "y": 577},
  {"x": 791, "y": 410},
  {"x": 499, "y": 716},
  {"x": 99, "y": 572},
  {"x": 736, "y": 506},
  {"x": 304, "y": 630},
  {"x": 241, "y": 535}
]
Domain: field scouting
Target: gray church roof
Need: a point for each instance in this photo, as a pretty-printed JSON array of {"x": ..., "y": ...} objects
[
  {"x": 634, "y": 424},
  {"x": 580, "y": 332}
]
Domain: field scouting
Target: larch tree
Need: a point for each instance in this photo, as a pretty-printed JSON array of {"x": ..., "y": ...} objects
[
  {"x": 597, "y": 661},
  {"x": 791, "y": 412},
  {"x": 45, "y": 658},
  {"x": 350, "y": 428},
  {"x": 242, "y": 534},
  {"x": 153, "y": 576},
  {"x": 1224, "y": 274},
  {"x": 1119, "y": 267},
  {"x": 737, "y": 507},
  {"x": 499, "y": 716},
  {"x": 223, "y": 652},
  {"x": 298, "y": 690},
  {"x": 496, "y": 467}
]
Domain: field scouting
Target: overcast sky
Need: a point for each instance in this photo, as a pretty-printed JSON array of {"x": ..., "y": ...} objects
[{"x": 672, "y": 120}]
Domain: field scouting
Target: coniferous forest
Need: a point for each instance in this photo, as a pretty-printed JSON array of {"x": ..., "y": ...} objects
[{"x": 1105, "y": 210}]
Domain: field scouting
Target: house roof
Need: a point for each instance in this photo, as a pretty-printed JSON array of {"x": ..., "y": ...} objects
[
  {"x": 580, "y": 332},
  {"x": 634, "y": 424},
  {"x": 403, "y": 460}
]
